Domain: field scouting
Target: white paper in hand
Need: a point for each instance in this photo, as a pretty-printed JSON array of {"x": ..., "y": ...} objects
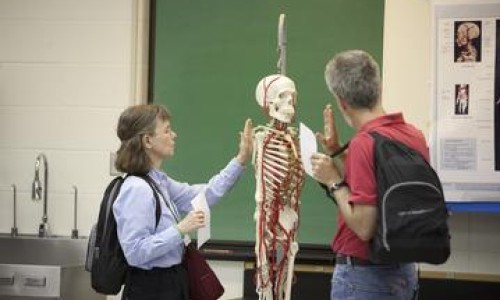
[
  {"x": 308, "y": 146},
  {"x": 200, "y": 203}
]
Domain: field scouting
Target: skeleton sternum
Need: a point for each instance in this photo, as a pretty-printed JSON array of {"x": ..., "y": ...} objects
[{"x": 281, "y": 168}]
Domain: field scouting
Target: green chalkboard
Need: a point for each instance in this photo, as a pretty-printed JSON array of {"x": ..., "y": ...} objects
[{"x": 207, "y": 57}]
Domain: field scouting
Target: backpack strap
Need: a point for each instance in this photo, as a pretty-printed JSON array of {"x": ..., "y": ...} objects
[
  {"x": 378, "y": 137},
  {"x": 152, "y": 184},
  {"x": 169, "y": 204}
]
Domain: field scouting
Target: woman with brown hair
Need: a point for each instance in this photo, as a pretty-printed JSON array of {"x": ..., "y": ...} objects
[{"x": 154, "y": 251}]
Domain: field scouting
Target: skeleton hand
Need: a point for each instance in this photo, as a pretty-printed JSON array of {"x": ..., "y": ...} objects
[
  {"x": 329, "y": 138},
  {"x": 246, "y": 143},
  {"x": 193, "y": 220},
  {"x": 324, "y": 170}
]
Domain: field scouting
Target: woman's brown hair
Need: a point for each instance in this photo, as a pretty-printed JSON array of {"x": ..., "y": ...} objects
[{"x": 133, "y": 124}]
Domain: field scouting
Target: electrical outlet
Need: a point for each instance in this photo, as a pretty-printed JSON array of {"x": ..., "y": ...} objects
[{"x": 112, "y": 169}]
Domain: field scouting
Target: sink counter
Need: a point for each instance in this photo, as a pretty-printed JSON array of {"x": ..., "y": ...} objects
[
  {"x": 40, "y": 268},
  {"x": 32, "y": 250}
]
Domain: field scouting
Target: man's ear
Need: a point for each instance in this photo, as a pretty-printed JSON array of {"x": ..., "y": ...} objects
[{"x": 342, "y": 103}]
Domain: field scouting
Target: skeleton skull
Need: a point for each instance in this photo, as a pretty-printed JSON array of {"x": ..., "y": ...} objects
[{"x": 277, "y": 95}]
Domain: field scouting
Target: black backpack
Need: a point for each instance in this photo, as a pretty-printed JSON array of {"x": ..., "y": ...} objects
[
  {"x": 412, "y": 223},
  {"x": 105, "y": 259}
]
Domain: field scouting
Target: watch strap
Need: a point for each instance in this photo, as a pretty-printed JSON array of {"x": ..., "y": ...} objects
[{"x": 336, "y": 186}]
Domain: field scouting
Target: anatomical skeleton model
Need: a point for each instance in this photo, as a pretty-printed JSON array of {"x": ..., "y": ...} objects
[{"x": 279, "y": 177}]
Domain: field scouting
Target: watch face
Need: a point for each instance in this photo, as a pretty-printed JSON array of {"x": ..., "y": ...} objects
[{"x": 336, "y": 185}]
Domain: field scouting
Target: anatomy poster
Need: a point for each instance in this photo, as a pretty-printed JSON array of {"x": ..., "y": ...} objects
[{"x": 466, "y": 138}]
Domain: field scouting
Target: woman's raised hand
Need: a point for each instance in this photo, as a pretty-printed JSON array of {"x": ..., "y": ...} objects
[{"x": 246, "y": 143}]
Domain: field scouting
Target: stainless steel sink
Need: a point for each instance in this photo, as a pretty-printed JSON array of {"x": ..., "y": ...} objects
[
  {"x": 44, "y": 268},
  {"x": 32, "y": 250}
]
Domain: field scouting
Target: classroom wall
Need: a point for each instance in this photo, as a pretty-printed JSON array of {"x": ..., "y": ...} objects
[
  {"x": 68, "y": 67},
  {"x": 407, "y": 87}
]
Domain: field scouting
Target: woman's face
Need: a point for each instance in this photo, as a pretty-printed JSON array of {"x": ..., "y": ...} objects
[{"x": 162, "y": 144}]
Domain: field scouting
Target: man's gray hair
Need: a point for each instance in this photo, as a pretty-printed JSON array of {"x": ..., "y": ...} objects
[{"x": 354, "y": 76}]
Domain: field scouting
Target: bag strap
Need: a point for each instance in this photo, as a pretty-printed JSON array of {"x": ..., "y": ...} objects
[
  {"x": 170, "y": 205},
  {"x": 380, "y": 137},
  {"x": 157, "y": 192},
  {"x": 152, "y": 184}
]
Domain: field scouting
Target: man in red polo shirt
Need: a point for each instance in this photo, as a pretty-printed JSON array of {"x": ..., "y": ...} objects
[{"x": 353, "y": 77}]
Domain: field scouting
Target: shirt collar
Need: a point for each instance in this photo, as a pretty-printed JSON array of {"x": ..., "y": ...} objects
[
  {"x": 388, "y": 119},
  {"x": 157, "y": 175}
]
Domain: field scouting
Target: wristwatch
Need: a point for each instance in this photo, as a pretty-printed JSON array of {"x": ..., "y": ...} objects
[{"x": 335, "y": 186}]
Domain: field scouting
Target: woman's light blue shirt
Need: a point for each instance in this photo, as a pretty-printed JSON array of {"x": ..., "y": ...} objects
[{"x": 144, "y": 245}]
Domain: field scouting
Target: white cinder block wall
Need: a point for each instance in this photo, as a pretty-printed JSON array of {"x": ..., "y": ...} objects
[
  {"x": 69, "y": 67},
  {"x": 67, "y": 70}
]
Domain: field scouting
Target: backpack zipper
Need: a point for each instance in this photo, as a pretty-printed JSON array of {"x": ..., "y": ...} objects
[{"x": 384, "y": 200}]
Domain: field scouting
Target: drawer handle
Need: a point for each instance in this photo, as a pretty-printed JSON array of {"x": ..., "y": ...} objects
[
  {"x": 4, "y": 281},
  {"x": 35, "y": 281}
]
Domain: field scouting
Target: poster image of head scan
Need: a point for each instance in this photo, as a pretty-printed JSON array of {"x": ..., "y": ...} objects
[{"x": 467, "y": 41}]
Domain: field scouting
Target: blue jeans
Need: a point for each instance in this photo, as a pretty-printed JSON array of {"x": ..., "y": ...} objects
[{"x": 374, "y": 282}]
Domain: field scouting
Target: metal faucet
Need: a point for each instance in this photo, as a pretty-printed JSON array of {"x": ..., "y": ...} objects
[
  {"x": 13, "y": 230},
  {"x": 74, "y": 232},
  {"x": 37, "y": 189}
]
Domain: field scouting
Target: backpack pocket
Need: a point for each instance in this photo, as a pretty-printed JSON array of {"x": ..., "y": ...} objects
[
  {"x": 414, "y": 223},
  {"x": 410, "y": 209}
]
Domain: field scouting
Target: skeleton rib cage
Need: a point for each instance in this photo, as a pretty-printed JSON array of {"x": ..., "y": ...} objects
[{"x": 279, "y": 179}]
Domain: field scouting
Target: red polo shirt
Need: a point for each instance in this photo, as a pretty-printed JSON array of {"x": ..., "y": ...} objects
[{"x": 360, "y": 174}]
